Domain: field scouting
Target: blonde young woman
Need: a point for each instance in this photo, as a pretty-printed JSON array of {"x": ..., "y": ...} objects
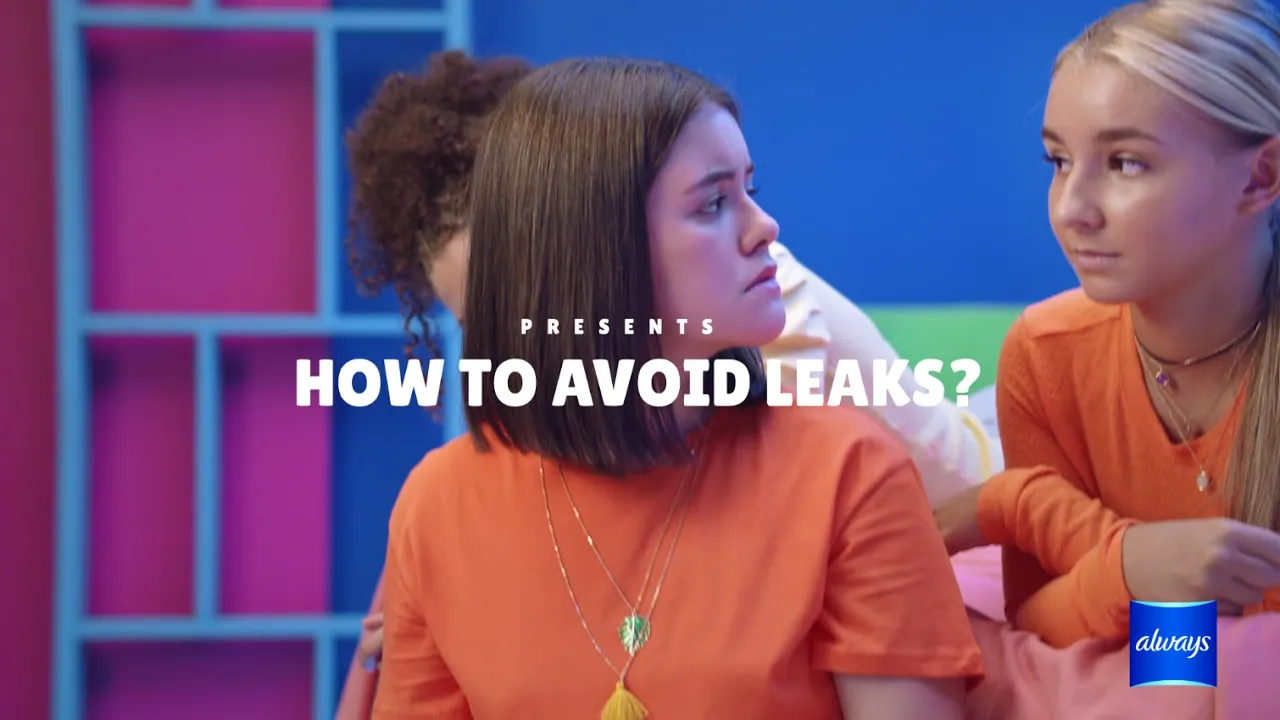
[{"x": 1142, "y": 411}]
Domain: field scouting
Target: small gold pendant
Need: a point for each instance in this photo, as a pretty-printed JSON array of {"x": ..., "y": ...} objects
[
  {"x": 1202, "y": 482},
  {"x": 634, "y": 633}
]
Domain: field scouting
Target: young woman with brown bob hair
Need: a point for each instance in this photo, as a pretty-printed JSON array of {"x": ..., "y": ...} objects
[
  {"x": 747, "y": 561},
  {"x": 412, "y": 153}
]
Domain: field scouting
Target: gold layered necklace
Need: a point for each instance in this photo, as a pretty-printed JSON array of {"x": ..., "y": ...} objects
[
  {"x": 1182, "y": 425},
  {"x": 636, "y": 626}
]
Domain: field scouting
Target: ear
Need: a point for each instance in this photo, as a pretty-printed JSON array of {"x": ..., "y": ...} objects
[{"x": 1264, "y": 177}]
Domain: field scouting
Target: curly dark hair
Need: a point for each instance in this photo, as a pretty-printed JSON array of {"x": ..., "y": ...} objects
[{"x": 411, "y": 153}]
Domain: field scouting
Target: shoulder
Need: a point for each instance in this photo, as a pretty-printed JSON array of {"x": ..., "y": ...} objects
[
  {"x": 1056, "y": 354},
  {"x": 1069, "y": 314},
  {"x": 832, "y": 426},
  {"x": 1050, "y": 337},
  {"x": 844, "y": 443},
  {"x": 439, "y": 478},
  {"x": 459, "y": 454},
  {"x": 817, "y": 476}
]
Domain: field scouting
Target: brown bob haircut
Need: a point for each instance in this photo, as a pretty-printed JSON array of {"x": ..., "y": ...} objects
[{"x": 559, "y": 230}]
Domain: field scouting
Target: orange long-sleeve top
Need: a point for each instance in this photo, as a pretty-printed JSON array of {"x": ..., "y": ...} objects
[
  {"x": 808, "y": 550},
  {"x": 1089, "y": 457}
]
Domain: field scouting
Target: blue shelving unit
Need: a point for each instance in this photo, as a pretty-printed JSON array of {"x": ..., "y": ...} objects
[{"x": 77, "y": 323}]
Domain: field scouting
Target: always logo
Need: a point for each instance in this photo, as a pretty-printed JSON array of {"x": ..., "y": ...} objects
[
  {"x": 1173, "y": 644},
  {"x": 1189, "y": 645}
]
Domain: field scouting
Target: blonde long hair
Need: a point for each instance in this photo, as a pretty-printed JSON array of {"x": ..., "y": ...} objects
[{"x": 1221, "y": 57}]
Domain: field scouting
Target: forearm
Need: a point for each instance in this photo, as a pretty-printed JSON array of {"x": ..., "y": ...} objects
[
  {"x": 1043, "y": 514},
  {"x": 1090, "y": 601},
  {"x": 869, "y": 698}
]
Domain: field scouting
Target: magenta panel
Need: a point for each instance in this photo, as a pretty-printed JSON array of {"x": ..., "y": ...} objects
[
  {"x": 203, "y": 171},
  {"x": 141, "y": 481},
  {"x": 276, "y": 518},
  {"x": 222, "y": 681}
]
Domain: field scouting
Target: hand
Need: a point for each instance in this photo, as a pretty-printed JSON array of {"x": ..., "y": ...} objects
[
  {"x": 1198, "y": 560},
  {"x": 369, "y": 652},
  {"x": 957, "y": 520}
]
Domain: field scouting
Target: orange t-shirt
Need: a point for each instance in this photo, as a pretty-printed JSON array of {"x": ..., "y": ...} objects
[
  {"x": 808, "y": 549},
  {"x": 1089, "y": 457}
]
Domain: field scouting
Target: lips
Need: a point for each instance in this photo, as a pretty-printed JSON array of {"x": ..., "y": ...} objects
[
  {"x": 1093, "y": 260},
  {"x": 766, "y": 275},
  {"x": 1087, "y": 252}
]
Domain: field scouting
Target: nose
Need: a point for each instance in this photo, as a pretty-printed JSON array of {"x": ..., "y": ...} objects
[
  {"x": 1073, "y": 204},
  {"x": 761, "y": 231}
]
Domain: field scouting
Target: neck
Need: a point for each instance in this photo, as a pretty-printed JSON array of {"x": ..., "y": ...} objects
[
  {"x": 689, "y": 417},
  {"x": 1204, "y": 315}
]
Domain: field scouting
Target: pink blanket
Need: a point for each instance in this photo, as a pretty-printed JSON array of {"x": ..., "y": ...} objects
[{"x": 1028, "y": 679}]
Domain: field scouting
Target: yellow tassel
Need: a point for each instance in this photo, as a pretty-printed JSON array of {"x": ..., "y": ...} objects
[{"x": 623, "y": 705}]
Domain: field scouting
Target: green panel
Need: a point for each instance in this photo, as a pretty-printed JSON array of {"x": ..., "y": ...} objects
[{"x": 948, "y": 332}]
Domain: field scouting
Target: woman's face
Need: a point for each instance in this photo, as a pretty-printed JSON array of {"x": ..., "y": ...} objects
[
  {"x": 448, "y": 272},
  {"x": 1146, "y": 196},
  {"x": 709, "y": 243}
]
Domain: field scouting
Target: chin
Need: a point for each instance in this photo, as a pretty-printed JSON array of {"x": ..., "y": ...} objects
[
  {"x": 762, "y": 329},
  {"x": 1107, "y": 291}
]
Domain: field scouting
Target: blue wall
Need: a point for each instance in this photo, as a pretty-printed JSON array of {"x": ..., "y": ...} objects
[{"x": 897, "y": 142}]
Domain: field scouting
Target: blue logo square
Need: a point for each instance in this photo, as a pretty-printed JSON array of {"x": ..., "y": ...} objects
[{"x": 1173, "y": 644}]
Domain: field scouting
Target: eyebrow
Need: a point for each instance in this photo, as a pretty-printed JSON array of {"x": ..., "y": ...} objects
[
  {"x": 1109, "y": 135},
  {"x": 717, "y": 176}
]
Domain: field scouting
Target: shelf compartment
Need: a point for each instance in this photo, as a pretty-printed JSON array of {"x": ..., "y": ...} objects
[{"x": 203, "y": 176}]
